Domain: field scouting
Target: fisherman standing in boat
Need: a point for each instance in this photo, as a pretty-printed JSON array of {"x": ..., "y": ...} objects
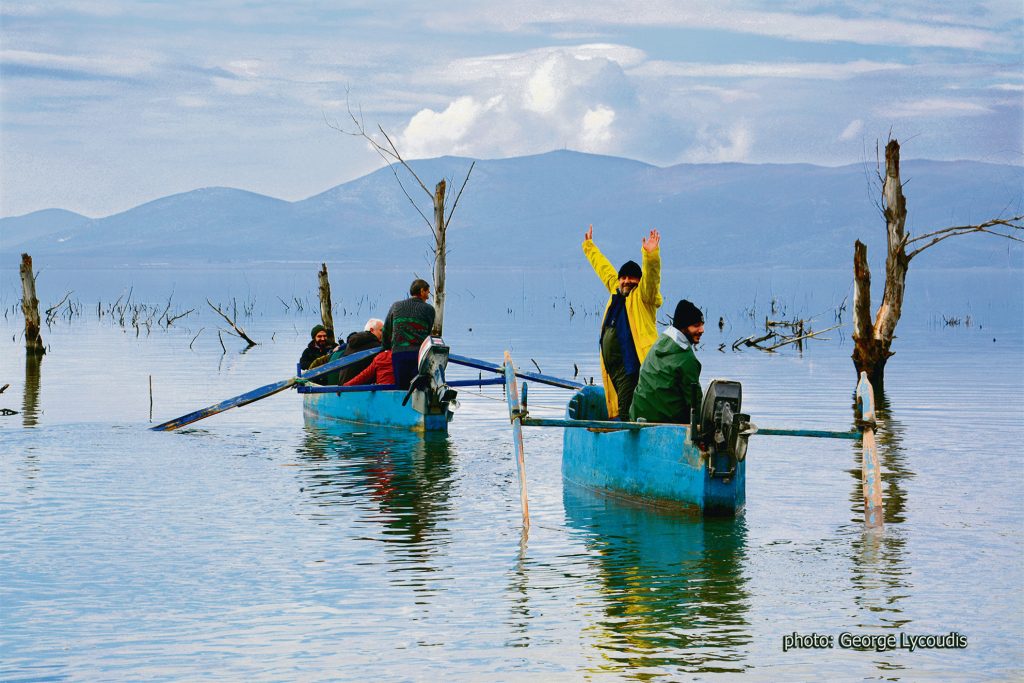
[
  {"x": 628, "y": 329},
  {"x": 407, "y": 324},
  {"x": 671, "y": 371}
]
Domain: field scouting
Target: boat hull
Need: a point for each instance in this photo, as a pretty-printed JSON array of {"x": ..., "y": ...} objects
[
  {"x": 380, "y": 407},
  {"x": 655, "y": 465}
]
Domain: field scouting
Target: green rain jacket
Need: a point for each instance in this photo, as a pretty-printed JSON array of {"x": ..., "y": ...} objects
[{"x": 669, "y": 371}]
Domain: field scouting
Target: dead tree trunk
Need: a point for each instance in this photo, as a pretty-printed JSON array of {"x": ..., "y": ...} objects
[
  {"x": 440, "y": 255},
  {"x": 30, "y": 307},
  {"x": 869, "y": 353},
  {"x": 872, "y": 341},
  {"x": 325, "y": 303}
]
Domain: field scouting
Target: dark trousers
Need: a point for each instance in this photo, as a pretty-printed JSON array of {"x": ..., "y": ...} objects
[
  {"x": 404, "y": 365},
  {"x": 624, "y": 382}
]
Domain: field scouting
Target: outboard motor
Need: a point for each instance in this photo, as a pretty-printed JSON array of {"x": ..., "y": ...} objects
[
  {"x": 724, "y": 430},
  {"x": 430, "y": 395}
]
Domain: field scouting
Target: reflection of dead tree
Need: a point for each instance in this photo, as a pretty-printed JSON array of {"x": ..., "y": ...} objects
[
  {"x": 872, "y": 339},
  {"x": 238, "y": 330},
  {"x": 438, "y": 223}
]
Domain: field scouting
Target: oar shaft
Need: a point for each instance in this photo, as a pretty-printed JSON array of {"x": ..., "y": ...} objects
[
  {"x": 236, "y": 402},
  {"x": 263, "y": 392},
  {"x": 536, "y": 377},
  {"x": 816, "y": 433}
]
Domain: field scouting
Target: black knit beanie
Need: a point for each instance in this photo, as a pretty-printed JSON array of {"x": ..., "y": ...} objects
[
  {"x": 317, "y": 328},
  {"x": 631, "y": 269},
  {"x": 686, "y": 314}
]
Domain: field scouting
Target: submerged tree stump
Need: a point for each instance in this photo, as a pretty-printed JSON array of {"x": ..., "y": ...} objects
[
  {"x": 326, "y": 314},
  {"x": 30, "y": 307}
]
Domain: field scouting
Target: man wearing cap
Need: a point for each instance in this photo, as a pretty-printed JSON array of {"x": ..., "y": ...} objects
[
  {"x": 319, "y": 346},
  {"x": 628, "y": 328},
  {"x": 671, "y": 370},
  {"x": 407, "y": 324}
]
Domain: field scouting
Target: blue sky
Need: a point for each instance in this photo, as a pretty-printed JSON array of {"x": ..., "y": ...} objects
[{"x": 106, "y": 104}]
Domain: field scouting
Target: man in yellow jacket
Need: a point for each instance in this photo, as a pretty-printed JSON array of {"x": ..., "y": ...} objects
[{"x": 628, "y": 328}]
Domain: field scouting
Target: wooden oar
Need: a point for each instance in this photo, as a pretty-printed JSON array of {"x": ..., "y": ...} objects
[
  {"x": 264, "y": 391},
  {"x": 870, "y": 471},
  {"x": 512, "y": 394},
  {"x": 500, "y": 369}
]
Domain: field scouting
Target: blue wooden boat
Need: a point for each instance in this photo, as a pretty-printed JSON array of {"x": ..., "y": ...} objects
[
  {"x": 698, "y": 467},
  {"x": 425, "y": 407},
  {"x": 664, "y": 465}
]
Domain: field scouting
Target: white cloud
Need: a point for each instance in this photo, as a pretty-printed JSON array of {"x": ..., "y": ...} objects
[
  {"x": 809, "y": 70},
  {"x": 855, "y": 128},
  {"x": 105, "y": 65},
  {"x": 430, "y": 133},
  {"x": 530, "y": 102},
  {"x": 543, "y": 89},
  {"x": 597, "y": 124},
  {"x": 191, "y": 102},
  {"x": 935, "y": 106},
  {"x": 972, "y": 30},
  {"x": 716, "y": 144}
]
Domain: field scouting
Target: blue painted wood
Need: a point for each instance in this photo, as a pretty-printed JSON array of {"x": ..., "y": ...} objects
[
  {"x": 261, "y": 392},
  {"x": 656, "y": 465},
  {"x": 335, "y": 389},
  {"x": 500, "y": 369},
  {"x": 376, "y": 407}
]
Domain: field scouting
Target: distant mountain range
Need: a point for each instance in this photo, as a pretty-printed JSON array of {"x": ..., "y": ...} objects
[{"x": 532, "y": 211}]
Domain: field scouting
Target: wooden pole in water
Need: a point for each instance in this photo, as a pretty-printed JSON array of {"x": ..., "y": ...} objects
[
  {"x": 30, "y": 307},
  {"x": 325, "y": 303},
  {"x": 512, "y": 394},
  {"x": 870, "y": 470},
  {"x": 440, "y": 257}
]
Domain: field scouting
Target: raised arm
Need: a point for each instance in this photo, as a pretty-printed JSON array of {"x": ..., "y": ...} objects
[
  {"x": 599, "y": 262},
  {"x": 650, "y": 283}
]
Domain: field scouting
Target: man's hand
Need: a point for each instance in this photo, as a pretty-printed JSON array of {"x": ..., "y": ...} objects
[
  {"x": 650, "y": 242},
  {"x": 589, "y": 236}
]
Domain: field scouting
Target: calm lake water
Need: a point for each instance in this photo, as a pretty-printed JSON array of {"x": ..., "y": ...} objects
[{"x": 259, "y": 546}]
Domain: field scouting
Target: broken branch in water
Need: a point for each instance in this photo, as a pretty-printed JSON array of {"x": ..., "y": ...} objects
[
  {"x": 238, "y": 330},
  {"x": 797, "y": 340}
]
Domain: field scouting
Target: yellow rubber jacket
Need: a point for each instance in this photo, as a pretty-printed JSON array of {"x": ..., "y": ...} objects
[{"x": 642, "y": 306}]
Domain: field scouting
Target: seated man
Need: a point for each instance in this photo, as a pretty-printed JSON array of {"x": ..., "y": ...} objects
[
  {"x": 671, "y": 370},
  {"x": 408, "y": 323},
  {"x": 319, "y": 346},
  {"x": 360, "y": 341},
  {"x": 378, "y": 372}
]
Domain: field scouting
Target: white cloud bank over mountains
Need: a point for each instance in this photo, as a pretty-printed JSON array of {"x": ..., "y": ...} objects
[{"x": 108, "y": 103}]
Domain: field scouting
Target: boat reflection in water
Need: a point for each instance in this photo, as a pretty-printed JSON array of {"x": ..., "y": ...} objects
[
  {"x": 393, "y": 485},
  {"x": 672, "y": 591}
]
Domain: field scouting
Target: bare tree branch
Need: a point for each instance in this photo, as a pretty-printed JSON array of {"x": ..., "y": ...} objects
[
  {"x": 937, "y": 236},
  {"x": 456, "y": 202},
  {"x": 389, "y": 154}
]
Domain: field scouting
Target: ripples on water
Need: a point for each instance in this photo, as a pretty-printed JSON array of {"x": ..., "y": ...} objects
[{"x": 259, "y": 546}]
